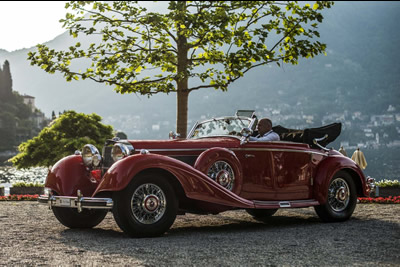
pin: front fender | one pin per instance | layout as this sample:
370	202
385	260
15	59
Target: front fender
68	175
327	169
195	184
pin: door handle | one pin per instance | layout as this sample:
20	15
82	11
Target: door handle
249	156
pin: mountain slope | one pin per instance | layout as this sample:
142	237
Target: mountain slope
359	73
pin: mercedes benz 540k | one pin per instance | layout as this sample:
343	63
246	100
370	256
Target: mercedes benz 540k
147	183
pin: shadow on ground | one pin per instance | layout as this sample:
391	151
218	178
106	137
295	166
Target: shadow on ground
235	238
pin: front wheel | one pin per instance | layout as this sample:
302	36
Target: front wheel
71	218
147	207
341	200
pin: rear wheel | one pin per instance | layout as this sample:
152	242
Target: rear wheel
341	200
147	207
261	214
73	219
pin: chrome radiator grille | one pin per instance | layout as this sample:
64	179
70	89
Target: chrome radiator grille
107	159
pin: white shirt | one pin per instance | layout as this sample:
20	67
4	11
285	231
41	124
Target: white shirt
269	136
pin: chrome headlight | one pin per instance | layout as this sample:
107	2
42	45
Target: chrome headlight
119	151
91	156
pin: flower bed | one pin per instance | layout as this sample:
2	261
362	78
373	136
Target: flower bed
387	188
380	200
19	197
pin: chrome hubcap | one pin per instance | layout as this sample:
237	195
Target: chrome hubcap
148	203
223	174
151	203
339	194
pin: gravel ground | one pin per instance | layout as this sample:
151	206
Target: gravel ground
31	235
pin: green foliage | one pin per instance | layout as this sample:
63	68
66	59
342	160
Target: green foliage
14	113
388	183
69	132
14	118
24	184
212	43
5	82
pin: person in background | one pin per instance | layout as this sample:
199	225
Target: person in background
358	157
265	132
343	151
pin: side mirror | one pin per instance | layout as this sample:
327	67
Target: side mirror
246	133
173	135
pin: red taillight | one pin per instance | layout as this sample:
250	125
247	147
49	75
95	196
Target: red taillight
96	174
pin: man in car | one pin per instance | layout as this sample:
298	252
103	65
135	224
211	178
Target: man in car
265	132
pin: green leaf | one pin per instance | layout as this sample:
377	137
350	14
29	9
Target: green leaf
228	36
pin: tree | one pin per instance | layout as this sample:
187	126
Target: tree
148	53
67	133
5	82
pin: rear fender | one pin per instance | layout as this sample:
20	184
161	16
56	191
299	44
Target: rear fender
195	184
327	169
212	155
68	175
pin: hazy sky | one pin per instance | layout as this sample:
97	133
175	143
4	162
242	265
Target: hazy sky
24	24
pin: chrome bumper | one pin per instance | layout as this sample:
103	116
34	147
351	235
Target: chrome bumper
79	202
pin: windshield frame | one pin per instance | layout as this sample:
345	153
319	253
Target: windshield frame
241	118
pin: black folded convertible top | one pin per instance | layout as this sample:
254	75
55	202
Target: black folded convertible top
307	135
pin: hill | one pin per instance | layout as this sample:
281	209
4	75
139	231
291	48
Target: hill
359	78
360	73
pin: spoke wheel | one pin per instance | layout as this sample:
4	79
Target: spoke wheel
341	199
148	203
339	195
147	207
223	174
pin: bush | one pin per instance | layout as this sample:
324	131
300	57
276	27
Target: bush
388	183
69	132
23	184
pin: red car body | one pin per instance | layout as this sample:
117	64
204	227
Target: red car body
261	176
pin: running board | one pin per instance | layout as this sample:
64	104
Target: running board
285	204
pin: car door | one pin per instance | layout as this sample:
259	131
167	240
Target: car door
275	171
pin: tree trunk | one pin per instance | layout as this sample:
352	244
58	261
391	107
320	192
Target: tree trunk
182	80
182	112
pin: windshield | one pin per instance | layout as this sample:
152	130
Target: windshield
220	127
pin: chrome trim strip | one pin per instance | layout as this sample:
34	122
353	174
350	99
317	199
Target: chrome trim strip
242	149
284	202
280	150
215	136
176	149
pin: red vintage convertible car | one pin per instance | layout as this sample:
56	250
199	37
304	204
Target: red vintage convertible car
146	184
